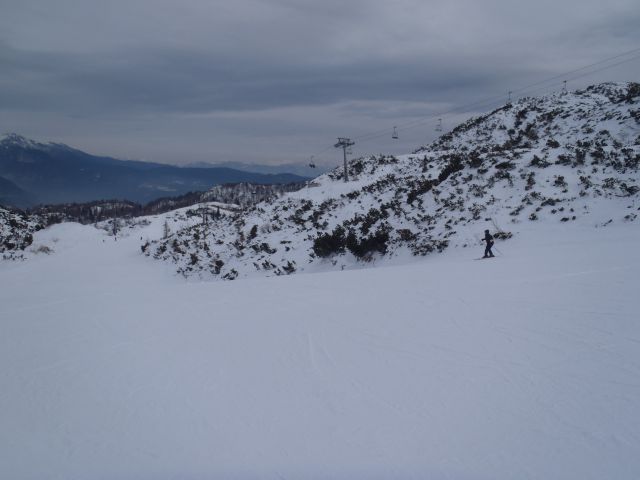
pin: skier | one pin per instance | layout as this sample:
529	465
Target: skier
489	239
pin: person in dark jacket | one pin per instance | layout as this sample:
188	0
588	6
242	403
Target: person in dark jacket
488	238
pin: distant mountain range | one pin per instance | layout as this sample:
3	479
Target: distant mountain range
11	194
32	172
304	170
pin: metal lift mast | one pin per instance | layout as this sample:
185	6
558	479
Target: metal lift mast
344	143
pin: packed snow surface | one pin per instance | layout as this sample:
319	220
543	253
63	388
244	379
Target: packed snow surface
524	366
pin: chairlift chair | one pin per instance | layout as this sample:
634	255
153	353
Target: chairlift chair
394	135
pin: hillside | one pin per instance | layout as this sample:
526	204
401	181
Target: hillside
565	158
56	173
241	195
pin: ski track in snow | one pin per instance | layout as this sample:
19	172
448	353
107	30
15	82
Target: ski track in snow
112	367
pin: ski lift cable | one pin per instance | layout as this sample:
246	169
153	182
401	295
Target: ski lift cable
575	77
422	121
527	88
318	155
416	123
562	75
555	77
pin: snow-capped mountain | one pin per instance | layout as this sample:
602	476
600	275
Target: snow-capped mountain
55	173
564	158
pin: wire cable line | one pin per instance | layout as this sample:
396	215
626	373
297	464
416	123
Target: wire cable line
543	84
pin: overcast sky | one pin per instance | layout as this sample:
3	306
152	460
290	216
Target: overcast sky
275	81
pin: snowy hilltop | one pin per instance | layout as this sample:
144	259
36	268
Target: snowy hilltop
571	157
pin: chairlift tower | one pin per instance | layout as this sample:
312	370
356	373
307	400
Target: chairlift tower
344	143
204	212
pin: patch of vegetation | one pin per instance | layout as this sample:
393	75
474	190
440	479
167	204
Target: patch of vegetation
327	244
539	162
364	247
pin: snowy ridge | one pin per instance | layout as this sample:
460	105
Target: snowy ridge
8	140
561	158
246	194
234	196
569	158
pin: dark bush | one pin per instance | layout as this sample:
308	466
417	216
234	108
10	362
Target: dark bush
328	244
539	162
502	235
455	165
374	243
406	235
506	165
217	266
373	216
560	181
289	268
419	188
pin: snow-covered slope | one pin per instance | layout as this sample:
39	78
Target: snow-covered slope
526	366
571	158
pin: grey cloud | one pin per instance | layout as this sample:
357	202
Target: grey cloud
192	81
277	76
